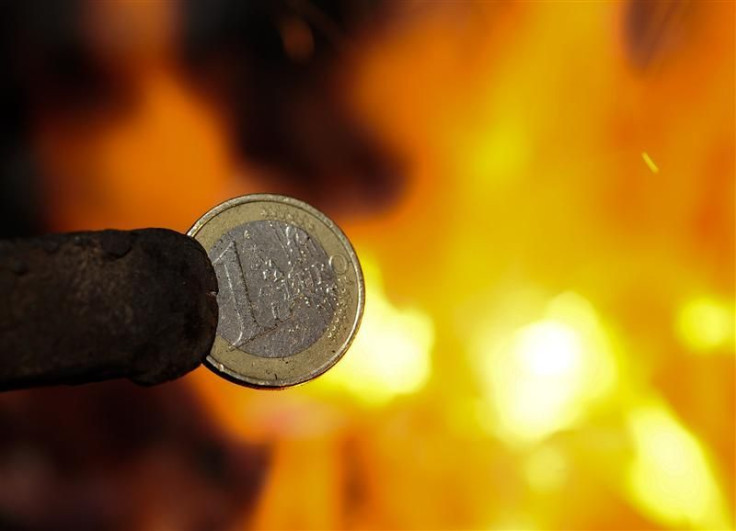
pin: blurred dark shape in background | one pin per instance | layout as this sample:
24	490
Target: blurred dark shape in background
48	67
270	65
116	456
266	64
654	30
28	32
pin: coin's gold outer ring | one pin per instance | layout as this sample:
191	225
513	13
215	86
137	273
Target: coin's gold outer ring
248	369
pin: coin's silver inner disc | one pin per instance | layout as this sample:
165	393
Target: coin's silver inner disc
277	289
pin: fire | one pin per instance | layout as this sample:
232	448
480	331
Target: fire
532	300
547	375
391	356
671	477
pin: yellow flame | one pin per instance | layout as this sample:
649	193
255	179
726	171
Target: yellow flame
510	522
670	477
549	372
705	324
546	469
391	354
499	156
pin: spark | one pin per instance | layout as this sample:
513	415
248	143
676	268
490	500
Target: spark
649	162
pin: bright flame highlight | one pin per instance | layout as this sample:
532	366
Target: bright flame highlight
670	477
705	324
391	354
550	348
548	373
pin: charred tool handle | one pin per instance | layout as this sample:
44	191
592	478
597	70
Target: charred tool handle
91	306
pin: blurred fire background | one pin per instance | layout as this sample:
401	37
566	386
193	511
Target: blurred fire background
542	195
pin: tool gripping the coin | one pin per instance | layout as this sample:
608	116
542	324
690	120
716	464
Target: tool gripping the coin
91	306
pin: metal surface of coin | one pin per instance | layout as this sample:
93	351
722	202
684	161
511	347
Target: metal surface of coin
290	290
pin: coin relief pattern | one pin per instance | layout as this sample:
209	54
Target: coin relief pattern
278	288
